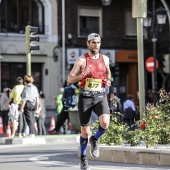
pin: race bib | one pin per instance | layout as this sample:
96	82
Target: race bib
93	84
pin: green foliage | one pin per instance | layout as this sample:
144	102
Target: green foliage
115	132
153	129
156	123
132	137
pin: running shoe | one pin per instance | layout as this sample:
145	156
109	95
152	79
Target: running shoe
84	164
94	147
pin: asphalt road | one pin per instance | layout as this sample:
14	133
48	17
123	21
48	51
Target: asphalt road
55	157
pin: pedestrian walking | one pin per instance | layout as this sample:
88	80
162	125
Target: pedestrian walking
69	100
30	103
16	117
92	69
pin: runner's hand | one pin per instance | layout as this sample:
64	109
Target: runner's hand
107	82
85	72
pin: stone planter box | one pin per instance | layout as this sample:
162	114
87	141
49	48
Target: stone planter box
74	119
132	155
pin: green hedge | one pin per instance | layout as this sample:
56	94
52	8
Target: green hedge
153	129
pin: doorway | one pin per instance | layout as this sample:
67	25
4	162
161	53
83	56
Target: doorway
126	82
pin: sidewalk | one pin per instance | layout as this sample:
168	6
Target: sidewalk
117	154
44	139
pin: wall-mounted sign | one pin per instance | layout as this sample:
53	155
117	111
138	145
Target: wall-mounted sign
110	54
72	55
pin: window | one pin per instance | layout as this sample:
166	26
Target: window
16	14
8	75
130	25
89	20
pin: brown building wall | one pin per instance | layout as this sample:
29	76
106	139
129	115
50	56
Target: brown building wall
113	23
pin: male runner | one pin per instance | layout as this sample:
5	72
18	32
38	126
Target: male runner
92	69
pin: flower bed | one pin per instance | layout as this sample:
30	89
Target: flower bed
153	129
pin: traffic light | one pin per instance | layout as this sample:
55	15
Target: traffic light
116	70
115	74
30	44
31	38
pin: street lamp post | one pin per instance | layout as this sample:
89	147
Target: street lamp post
0	72
154	22
139	8
154	39
63	41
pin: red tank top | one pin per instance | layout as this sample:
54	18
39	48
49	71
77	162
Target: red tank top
97	69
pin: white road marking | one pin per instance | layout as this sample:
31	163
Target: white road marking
42	159
39	159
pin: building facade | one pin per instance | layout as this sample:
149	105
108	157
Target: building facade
118	31
15	15
63	29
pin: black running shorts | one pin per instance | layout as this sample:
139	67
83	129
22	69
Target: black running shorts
86	104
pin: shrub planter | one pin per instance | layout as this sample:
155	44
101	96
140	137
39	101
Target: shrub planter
74	119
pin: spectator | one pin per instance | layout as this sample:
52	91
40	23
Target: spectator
149	97
58	102
69	101
15	117
115	105
22	126
59	105
30	103
4	107
129	112
40	119
138	108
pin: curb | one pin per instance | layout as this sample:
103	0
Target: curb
41	139
117	154
130	155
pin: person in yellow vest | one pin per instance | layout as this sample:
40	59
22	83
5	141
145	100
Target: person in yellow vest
14	112
58	102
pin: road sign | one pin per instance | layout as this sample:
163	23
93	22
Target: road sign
149	64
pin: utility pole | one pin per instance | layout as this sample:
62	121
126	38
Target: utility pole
139	11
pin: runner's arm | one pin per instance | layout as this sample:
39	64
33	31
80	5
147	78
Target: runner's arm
74	74
108	73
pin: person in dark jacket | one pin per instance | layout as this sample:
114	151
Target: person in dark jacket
129	112
30	103
69	101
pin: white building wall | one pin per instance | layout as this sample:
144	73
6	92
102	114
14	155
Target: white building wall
12	44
